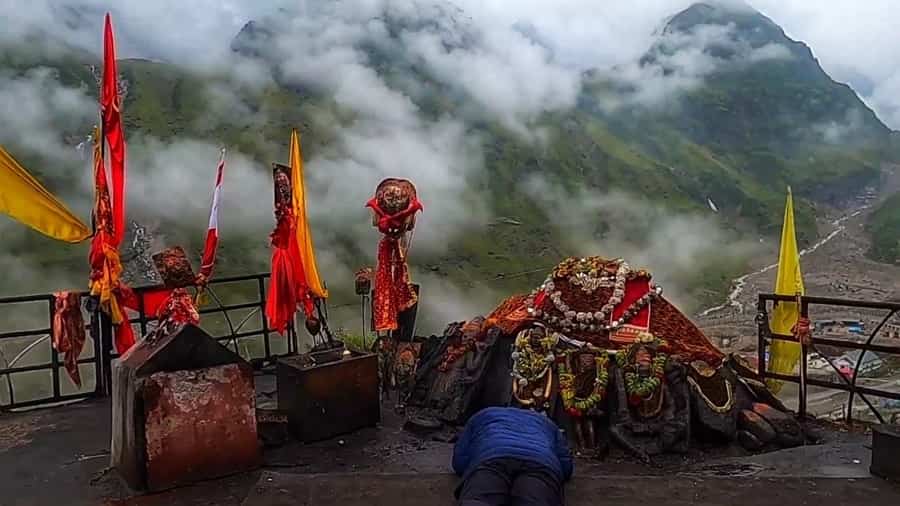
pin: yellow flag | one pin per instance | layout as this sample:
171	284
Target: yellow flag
784	355
23	198
304	236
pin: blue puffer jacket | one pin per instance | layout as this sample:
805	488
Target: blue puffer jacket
512	433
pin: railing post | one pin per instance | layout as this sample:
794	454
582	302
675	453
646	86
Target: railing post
142	314
261	283
106	344
804	313
762	323
54	355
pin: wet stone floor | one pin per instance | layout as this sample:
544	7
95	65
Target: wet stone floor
61	456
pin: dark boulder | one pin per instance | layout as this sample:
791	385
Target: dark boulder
749	441
789	431
758	426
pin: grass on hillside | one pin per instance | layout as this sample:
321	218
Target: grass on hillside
884	227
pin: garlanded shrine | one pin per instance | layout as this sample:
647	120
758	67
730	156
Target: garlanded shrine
598	348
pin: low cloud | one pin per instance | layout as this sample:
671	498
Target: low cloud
677	248
681	61
40	113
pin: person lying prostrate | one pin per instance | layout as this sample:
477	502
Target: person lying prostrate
511	456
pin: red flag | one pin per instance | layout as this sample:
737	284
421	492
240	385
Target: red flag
106	266
212	234
113	134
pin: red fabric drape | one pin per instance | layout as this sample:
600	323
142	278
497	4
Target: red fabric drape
281	301
113	133
392	291
179	308
106	266
68	331
634	290
287	286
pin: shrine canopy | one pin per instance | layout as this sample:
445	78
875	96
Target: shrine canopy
605	303
26	200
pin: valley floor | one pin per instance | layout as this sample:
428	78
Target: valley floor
838	268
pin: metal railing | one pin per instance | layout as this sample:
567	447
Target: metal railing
100	334
766	337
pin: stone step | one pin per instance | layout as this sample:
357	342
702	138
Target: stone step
372	489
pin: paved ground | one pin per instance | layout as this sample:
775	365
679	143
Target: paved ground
60	456
276	489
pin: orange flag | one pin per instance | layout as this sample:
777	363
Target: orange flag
302	231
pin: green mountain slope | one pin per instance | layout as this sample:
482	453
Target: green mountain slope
738	138
884	227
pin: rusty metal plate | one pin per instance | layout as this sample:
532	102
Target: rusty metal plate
199	424
326	400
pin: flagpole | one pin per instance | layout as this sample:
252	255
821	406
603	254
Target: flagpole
201	289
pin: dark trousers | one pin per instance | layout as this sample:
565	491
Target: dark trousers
511	482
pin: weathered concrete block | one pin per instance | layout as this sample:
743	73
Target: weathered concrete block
184	409
199	424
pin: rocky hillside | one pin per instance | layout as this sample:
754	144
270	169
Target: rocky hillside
723	111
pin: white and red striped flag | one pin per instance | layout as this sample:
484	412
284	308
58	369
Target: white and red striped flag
212	234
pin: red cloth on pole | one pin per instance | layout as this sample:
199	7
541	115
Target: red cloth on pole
113	133
106	266
68	331
281	301
287	286
392	291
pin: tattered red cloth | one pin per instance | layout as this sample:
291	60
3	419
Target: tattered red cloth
113	133
154	299
511	315
281	302
393	292
287	285
106	267
68	331
179	308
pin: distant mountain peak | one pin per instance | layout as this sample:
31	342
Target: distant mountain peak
747	23
253	38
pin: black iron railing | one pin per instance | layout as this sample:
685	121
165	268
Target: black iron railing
843	383
240	310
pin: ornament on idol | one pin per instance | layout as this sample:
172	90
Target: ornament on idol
575	406
533	357
643	366
590	274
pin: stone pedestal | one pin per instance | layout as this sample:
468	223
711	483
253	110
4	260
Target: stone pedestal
183	411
